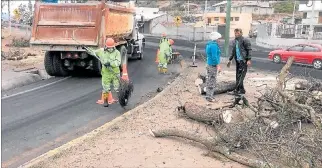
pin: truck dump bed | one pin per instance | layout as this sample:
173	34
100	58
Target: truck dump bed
80	24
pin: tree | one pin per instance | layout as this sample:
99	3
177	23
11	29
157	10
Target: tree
9	15
284	7
25	14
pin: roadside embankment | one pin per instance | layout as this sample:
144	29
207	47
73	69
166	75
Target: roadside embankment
126	142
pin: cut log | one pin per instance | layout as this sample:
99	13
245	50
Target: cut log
220	88
209	116
224	87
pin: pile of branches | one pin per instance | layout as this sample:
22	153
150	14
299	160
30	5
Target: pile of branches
284	130
19	42
15	55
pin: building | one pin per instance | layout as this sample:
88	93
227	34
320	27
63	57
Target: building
237	20
306	8
307	12
150	16
254	7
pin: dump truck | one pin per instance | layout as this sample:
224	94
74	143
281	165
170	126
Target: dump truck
62	29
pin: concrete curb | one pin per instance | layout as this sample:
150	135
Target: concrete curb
22	78
37	162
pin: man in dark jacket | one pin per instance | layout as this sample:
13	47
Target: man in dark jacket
242	54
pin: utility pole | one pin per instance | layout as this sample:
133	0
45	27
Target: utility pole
311	32
205	21
188	8
293	18
9	14
227	31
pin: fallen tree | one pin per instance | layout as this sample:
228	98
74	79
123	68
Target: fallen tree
286	130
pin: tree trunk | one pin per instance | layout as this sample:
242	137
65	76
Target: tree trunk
202	114
9	15
220	87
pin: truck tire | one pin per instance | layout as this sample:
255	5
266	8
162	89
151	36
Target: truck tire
49	66
60	70
97	67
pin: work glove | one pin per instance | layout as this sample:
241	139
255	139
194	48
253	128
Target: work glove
228	64
107	64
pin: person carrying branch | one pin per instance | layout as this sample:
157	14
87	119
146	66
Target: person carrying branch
242	54
164	53
213	60
171	42
110	59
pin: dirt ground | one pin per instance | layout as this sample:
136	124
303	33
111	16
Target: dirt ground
129	144
35	61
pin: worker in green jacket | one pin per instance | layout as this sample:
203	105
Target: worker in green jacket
164	53
111	60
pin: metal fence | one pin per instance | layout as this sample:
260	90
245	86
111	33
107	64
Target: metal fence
289	31
187	31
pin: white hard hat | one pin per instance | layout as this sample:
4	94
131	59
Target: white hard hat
215	36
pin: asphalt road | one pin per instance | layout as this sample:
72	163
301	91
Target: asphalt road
41	119
260	59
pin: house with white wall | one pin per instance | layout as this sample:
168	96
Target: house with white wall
308	16
306	8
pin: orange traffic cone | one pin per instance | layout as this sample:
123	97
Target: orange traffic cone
157	58
110	98
125	75
101	101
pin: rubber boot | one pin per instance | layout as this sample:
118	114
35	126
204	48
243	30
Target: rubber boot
110	99
164	70
105	104
101	101
159	69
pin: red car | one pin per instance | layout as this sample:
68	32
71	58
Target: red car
303	53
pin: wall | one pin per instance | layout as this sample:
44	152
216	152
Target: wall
185	31
244	22
249	9
271	41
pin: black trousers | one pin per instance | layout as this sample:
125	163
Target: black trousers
241	70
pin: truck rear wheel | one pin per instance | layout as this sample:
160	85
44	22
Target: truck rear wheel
48	61
60	70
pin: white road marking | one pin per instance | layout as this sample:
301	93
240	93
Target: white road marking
36	88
